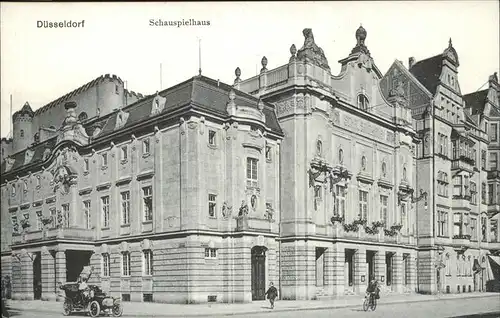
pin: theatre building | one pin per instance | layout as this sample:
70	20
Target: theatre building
348	174
457	165
172	197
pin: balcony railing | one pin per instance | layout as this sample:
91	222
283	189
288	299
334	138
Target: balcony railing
54	233
462	163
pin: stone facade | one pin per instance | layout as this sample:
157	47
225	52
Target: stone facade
207	192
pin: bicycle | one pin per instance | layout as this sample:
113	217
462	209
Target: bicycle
370	302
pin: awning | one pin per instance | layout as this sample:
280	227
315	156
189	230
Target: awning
495	266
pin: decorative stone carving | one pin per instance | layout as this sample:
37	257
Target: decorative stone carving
182	126
269	212
293	52
312	52
28	155
202	125
64	175
124	246
72	129
451	53
121	119
263	62
104	249
226	210
243	208
158	104
146	244
237	80
9	162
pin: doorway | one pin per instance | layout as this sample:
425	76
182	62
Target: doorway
388	265
258	273
320	266
370	260
75	261
37	276
349	269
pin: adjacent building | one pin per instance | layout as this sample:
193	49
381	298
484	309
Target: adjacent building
207	192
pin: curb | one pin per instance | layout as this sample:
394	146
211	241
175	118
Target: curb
273	310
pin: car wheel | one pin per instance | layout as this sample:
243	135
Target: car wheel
117	310
67	307
94	309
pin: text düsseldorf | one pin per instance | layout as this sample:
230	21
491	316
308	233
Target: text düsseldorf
60	24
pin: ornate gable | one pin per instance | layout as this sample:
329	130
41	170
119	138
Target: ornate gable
121	119
63	171
158	104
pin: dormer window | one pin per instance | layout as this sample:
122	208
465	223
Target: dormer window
362	102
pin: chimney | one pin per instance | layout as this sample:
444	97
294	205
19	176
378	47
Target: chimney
411	62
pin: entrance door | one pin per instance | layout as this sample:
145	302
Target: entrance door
370	260
75	261
320	267
388	264
37	276
349	269
258	273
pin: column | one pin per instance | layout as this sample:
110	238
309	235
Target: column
337	263
397	275
380	270
27	275
60	264
49	291
360	271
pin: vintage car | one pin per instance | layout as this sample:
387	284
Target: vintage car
80	297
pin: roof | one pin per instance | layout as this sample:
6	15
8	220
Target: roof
200	92
25	110
476	101
428	72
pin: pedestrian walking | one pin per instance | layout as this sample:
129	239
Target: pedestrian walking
272	294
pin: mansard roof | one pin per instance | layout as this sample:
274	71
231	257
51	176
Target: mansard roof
476	101
199	93
428	72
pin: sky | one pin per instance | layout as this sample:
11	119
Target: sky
38	65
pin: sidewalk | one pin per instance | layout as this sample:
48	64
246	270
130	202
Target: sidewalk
219	309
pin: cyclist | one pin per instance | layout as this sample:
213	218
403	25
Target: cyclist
373	290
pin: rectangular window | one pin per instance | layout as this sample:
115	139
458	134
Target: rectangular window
483	159
125	198
211	138
442	223
105	211
39	224
383	209
211	205
363	205
105	265
104	160
340	200
53	216
473	193
493	161
483	193
148	262
147	197
65	210
86	214
457	224
404	218
126	264
123	153
210	253
473	229
147	298
491	197
86	165
494	231
483	229
145	146
494	132
457	186
252	175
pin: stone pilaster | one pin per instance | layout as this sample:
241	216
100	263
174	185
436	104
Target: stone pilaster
397	275
380	269
412	268
60	259
17	276
329	264
360	271
337	263
426	272
27	275
49	291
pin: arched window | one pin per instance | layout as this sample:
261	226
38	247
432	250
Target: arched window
384	169
13	190
362	102
22	133
341	155
404	173
363	163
